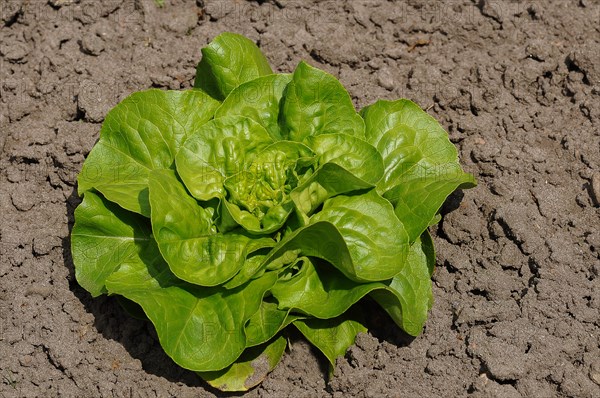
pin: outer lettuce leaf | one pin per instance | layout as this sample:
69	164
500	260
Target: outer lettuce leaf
316	103
104	235
258	100
142	133
267	322
334	336
228	61
250	369
201	329
218	150
421	164
319	290
412	294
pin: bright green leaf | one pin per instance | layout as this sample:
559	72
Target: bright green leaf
359	235
217	150
346	163
227	62
409	296
104	235
258	100
316	103
374	238
332	337
252	266
201	329
187	237
267	322
318	289
329	180
421	164
142	133
352	153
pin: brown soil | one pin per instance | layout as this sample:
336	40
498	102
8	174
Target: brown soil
516	84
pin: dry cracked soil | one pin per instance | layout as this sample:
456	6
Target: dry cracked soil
517	288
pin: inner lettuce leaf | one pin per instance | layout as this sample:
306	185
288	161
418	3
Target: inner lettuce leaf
226	213
316	103
259	195
258	100
217	150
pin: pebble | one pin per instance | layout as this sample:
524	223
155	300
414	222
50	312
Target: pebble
92	44
15	51
596	189
60	3
375	63
385	79
595	373
181	21
26	360
43	245
394	52
22	200
43	291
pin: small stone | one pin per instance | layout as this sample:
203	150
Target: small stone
181	20
43	245
538	50
510	256
60	3
92	44
95	99
26	360
491	10
394	52
595	189
23	199
595	373
14	51
374	63
385	79
13	174
503	361
218	9
36	290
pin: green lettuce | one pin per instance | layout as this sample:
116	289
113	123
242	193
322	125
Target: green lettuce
256	201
